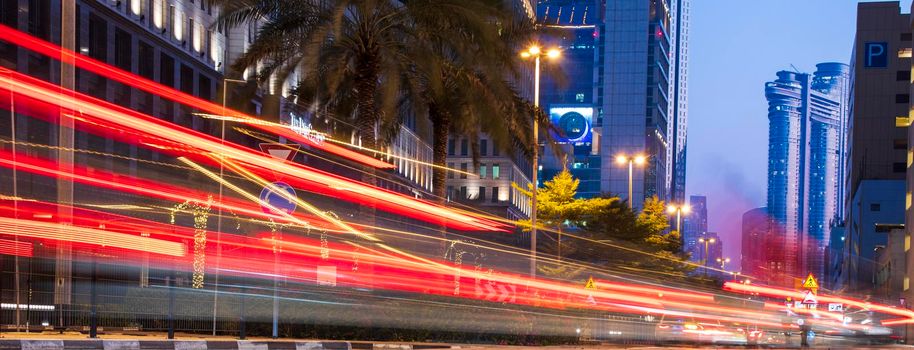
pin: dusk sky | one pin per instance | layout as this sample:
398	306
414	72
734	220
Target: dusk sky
735	47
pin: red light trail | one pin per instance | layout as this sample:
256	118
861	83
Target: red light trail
102	112
81	61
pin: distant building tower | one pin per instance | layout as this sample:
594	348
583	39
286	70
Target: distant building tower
805	140
694	225
755	247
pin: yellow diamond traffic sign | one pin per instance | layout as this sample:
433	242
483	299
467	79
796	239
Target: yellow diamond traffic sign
590	284
810	282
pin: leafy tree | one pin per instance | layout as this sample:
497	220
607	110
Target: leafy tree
558	209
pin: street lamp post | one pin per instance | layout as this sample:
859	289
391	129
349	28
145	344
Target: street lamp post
704	257
679	210
225	82
535	52
723	262
632	161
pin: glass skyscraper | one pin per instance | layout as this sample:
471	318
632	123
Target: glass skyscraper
642	83
574	24
807	130
627	59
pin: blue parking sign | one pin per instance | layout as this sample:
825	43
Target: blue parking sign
875	54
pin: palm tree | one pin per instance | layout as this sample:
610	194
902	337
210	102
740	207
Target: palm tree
354	54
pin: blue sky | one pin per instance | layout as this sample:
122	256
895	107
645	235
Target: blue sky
735	47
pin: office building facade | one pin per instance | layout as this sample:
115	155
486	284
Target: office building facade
694	224
805	136
877	139
755	248
570	101
642	78
628	60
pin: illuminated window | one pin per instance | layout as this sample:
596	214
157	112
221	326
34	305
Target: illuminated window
197	36
907	283
496	171
904	52
907	242
482	171
902	122
177	22
158	17
136	7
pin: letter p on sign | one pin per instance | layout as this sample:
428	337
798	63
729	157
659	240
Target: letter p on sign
875	55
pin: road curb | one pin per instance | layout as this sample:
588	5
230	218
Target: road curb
126	344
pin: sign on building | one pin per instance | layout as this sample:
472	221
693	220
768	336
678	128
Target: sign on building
875	54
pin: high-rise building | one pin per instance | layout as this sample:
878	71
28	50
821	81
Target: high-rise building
627	67
641	86
804	152
571	105
680	102
877	140
755	249
694	224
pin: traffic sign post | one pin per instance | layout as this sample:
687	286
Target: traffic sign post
269	198
590	284
810	283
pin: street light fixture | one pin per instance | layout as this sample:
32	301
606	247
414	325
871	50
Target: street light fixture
723	262
632	161
679	210
535	52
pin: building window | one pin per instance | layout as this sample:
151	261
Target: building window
177	22
495	151
450	147
450	191
40	18
98	38
900	144
136	7
450	174
903	75
496	171
905	37
875	207
494	194
483	147
463	147
899	167
463	168
482	194
122	50
902	122
463	192
902	98
482	171
146	66
904	52
579	97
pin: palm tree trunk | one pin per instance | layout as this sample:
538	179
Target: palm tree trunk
367	86
441	123
367	117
